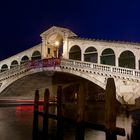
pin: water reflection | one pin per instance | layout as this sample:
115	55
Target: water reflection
24	114
135	134
13	128
16	124
124	122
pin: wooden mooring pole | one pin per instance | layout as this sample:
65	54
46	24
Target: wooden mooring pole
81	99
60	122
110	110
35	119
110	114
46	111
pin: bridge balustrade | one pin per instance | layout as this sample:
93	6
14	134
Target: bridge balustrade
101	67
14	70
30	65
122	71
67	62
118	71
83	64
94	67
137	73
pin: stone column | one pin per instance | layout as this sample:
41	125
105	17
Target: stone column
117	54
116	61
82	55
44	48
136	63
99	58
65	49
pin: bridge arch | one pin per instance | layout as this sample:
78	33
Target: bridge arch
91	55
4	67
27	76
14	63
77	72
36	55
108	57
24	59
75	53
127	59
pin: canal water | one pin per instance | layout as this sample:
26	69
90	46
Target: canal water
16	124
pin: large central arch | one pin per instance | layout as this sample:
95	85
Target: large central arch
25	79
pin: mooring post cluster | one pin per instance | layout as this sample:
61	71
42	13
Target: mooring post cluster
79	122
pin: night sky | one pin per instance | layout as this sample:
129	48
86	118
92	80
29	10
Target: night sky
22	21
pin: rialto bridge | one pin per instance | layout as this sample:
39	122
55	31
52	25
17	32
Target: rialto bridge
64	56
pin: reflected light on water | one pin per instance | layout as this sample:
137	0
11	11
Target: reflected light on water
17	123
24	113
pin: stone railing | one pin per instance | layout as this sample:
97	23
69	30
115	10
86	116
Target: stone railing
110	70
28	66
87	66
18	69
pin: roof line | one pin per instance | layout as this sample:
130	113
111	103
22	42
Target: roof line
102	40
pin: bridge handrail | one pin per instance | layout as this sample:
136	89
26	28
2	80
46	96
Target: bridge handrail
102	68
30	65
118	71
18	68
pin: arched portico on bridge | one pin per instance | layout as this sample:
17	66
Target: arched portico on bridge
36	55
75	53
24	59
4	68
108	57
91	55
14	63
54	41
127	59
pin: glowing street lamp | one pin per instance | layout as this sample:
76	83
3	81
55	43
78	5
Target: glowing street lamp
57	43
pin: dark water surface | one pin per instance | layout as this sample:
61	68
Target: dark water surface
16	124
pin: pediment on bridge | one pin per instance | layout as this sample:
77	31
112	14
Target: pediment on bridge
54	31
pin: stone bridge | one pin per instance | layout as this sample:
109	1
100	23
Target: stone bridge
63	52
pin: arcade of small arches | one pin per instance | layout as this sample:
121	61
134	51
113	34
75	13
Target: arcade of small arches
35	56
107	57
